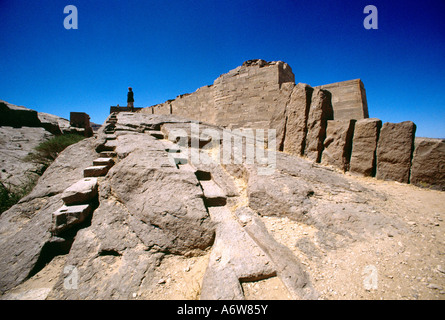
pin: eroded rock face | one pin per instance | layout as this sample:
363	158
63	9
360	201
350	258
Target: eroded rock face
25	228
394	151
295	119
428	165
319	113
338	143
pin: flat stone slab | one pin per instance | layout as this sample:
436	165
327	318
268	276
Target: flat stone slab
110	137
81	192
213	194
103	162
68	216
95	171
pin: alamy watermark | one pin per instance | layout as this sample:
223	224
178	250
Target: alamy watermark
237	146
71	20
370	280
371	20
71	280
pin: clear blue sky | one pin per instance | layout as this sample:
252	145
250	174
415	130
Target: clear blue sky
163	48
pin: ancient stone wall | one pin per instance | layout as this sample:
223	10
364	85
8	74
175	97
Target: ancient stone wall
348	99
260	94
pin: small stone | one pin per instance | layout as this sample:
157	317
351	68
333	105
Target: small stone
161	281
434	286
440	269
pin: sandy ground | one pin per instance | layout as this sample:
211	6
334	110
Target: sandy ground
398	266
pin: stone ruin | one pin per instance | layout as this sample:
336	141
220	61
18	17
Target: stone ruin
328	124
81	120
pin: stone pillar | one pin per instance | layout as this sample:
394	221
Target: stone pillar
319	113
394	151
364	145
296	115
338	143
428	166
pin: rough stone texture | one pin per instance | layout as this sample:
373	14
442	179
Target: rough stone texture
428	164
394	151
161	210
291	123
246	96
348	99
319	113
255	95
364	145
338	143
83	191
15	145
25	227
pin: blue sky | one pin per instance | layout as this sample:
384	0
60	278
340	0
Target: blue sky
165	48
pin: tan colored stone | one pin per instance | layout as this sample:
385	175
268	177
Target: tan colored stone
428	165
394	151
364	145
296	114
83	191
319	113
338	143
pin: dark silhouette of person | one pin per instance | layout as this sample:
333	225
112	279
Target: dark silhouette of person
130	99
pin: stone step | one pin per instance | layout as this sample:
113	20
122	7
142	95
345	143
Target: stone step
95	171
109	131
110	137
107	147
107	154
214	196
68	216
103	162
81	192
156	134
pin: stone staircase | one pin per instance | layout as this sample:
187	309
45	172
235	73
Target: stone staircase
81	198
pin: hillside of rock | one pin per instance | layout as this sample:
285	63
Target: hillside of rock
165	217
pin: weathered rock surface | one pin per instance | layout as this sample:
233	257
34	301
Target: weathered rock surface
338	143
428	164
319	113
25	227
150	208
364	145
15	145
292	131
394	151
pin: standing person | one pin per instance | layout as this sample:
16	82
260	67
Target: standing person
130	99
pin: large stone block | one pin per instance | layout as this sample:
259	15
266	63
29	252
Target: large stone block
83	191
68	216
295	119
394	151
319	113
348	99
364	145
428	165
338	143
